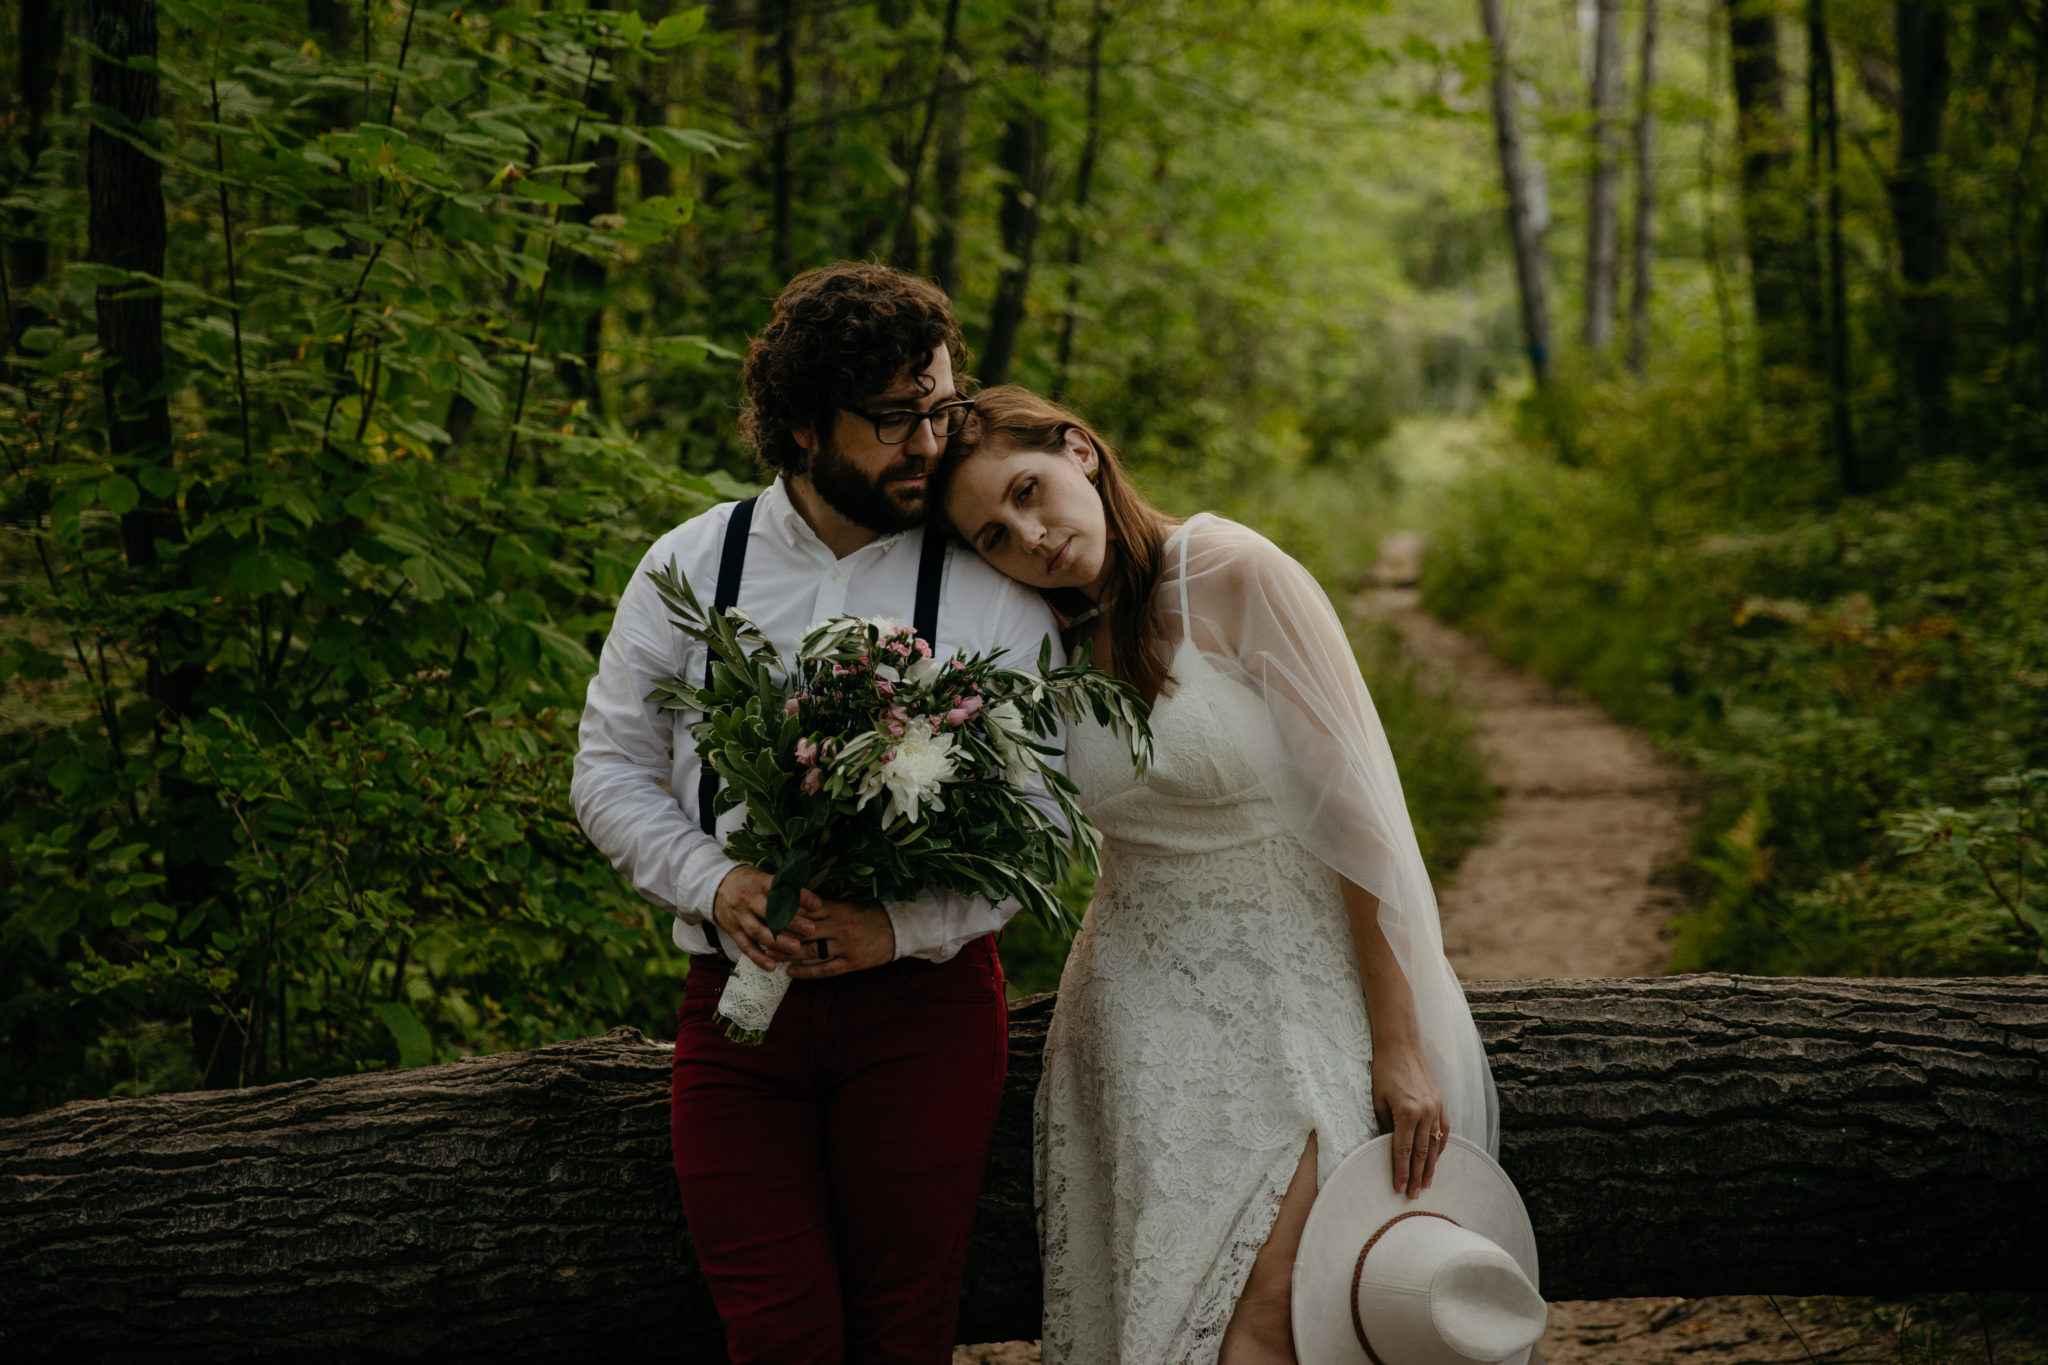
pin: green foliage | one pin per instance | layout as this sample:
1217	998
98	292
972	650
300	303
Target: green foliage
297	777
1832	666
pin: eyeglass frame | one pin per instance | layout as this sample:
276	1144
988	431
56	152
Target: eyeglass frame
919	417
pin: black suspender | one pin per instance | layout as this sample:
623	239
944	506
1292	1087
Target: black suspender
931	573
732	563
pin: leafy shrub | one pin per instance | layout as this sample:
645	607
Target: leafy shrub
1829	664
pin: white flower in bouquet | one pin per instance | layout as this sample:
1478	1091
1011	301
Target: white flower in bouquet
1012	740
912	771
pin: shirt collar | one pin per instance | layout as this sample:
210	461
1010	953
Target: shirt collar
777	505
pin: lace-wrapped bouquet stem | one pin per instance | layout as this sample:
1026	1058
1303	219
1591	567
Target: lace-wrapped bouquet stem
871	770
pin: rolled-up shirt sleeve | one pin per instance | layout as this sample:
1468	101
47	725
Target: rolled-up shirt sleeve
629	753
938	924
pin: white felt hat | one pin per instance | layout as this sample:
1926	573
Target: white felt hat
1445	1279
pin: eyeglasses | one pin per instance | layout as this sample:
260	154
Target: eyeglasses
898	425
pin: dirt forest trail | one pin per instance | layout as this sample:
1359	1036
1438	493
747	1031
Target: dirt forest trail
1573	881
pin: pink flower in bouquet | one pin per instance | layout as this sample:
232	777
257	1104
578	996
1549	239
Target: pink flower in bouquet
885	687
958	715
807	752
789	707
968	705
814	781
922	648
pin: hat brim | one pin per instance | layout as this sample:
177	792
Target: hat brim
1468	1188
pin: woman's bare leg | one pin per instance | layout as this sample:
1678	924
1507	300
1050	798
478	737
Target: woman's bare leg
1261	1330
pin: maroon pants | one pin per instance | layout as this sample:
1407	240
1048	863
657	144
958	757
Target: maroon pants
829	1176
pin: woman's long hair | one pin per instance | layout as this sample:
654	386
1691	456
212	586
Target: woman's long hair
1008	419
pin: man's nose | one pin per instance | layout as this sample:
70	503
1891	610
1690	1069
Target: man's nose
924	442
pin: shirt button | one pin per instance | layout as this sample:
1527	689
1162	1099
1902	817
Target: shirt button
835	575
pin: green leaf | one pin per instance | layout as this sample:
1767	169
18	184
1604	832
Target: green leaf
481	392
415	1045
325	239
544	192
785	891
677	29
119	494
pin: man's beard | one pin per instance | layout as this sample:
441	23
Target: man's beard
862	500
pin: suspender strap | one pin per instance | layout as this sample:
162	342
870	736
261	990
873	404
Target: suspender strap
931	572
732	560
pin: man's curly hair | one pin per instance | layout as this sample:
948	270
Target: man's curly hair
839	335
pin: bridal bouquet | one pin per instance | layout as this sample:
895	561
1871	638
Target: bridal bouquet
872	770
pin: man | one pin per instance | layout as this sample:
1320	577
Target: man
830	1175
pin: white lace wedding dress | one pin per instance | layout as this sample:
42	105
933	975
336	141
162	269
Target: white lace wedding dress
1211	1015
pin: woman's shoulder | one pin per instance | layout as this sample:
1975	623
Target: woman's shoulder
1228	553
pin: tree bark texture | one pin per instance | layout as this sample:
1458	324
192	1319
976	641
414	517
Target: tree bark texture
1826	142
39	38
1684	1135
1084	184
1603	187
1516	176
1917	212
1770	202
903	248
1021	156
1644	246
126	230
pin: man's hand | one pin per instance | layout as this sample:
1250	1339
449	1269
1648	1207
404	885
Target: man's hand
855	937
742	902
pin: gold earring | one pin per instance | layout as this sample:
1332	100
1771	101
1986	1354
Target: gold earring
1094	473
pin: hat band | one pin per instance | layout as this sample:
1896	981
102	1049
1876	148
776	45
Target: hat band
1358	1272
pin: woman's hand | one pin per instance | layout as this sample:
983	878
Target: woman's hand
1408	1104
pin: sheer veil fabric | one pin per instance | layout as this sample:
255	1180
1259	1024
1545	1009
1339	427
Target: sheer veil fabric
1261	620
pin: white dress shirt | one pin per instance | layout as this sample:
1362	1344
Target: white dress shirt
635	788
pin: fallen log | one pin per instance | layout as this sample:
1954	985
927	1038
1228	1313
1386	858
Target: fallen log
1687	1135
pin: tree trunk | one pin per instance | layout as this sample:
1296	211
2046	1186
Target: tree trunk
1770	203
587	277
1021	156
1645	244
1825	117
903	247
1516	175
39	37
1685	1135
1084	183
126	231
1603	189
1917	211
778	26
329	20
948	172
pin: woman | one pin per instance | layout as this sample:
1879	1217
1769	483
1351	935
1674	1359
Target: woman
1260	986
